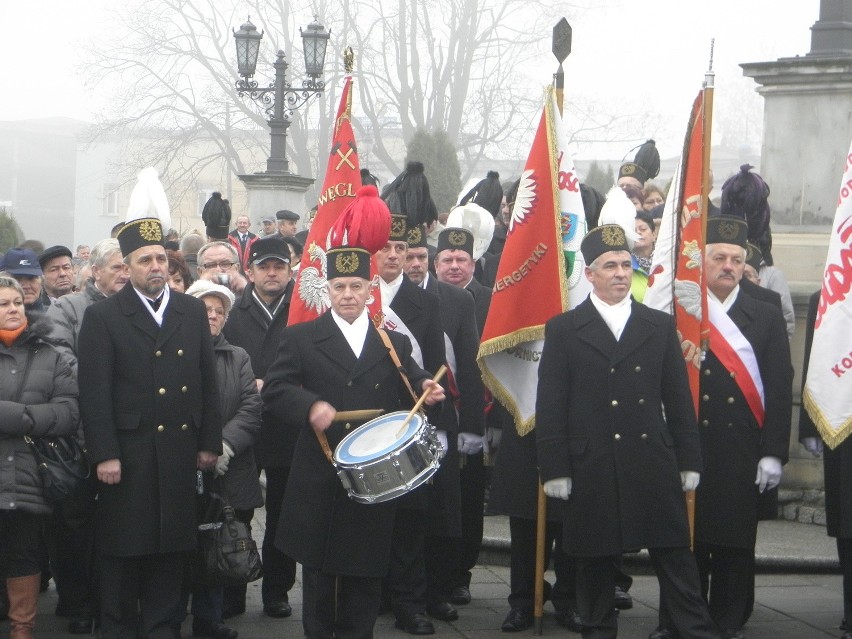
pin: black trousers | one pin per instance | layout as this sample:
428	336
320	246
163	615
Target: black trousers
279	570
680	591
522	566
472	477
339	606
150	584
406	581
727	583
72	562
844	554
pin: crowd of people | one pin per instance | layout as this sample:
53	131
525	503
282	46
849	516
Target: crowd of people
171	355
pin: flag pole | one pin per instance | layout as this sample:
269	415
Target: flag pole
561	50
706	185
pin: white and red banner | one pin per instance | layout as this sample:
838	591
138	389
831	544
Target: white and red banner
827	395
541	270
676	282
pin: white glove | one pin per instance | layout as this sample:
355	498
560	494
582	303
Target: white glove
442	437
768	473
813	445
224	460
689	480
470	444
559	488
492	439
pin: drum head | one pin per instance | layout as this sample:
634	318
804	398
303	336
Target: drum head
377	438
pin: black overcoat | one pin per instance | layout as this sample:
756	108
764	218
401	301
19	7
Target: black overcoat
320	526
599	420
248	327
726	505
148	397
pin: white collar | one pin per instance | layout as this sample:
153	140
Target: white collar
425	281
158	314
614	315
356	332
390	289
729	301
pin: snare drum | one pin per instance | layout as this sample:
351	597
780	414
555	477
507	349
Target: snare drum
376	463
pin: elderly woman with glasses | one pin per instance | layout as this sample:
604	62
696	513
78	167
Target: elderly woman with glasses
38	398
236	470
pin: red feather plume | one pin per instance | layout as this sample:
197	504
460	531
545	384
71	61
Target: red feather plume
365	222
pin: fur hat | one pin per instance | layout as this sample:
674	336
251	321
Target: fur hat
488	193
409	195
645	165
746	196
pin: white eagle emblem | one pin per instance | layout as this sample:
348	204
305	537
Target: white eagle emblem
312	282
688	296
525	200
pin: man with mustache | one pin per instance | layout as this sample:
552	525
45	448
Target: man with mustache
150	408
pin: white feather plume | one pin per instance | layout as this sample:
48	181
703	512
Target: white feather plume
478	221
618	209
148	199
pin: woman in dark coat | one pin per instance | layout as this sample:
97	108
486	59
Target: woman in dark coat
38	398
236	469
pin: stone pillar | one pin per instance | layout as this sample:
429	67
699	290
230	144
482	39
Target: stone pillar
808	120
269	192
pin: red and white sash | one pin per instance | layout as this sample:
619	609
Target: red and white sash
731	347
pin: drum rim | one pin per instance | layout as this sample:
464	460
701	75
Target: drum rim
360	430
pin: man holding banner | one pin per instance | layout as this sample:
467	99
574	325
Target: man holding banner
608	370
744	421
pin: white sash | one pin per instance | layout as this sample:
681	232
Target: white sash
393	323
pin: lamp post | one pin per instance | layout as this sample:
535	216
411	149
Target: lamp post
280	99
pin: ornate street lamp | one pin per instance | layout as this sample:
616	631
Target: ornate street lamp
280	99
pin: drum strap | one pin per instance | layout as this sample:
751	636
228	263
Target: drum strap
384	335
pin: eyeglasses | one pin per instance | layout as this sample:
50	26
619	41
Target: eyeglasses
222	264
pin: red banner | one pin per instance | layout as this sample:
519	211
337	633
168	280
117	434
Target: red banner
342	179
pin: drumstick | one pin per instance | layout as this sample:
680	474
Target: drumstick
357	415
420	402
342	416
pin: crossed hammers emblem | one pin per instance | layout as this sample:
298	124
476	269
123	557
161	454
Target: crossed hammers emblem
344	157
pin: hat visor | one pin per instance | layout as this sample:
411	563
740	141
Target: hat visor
263	258
30	271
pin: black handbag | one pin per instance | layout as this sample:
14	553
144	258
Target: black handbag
62	463
226	551
62	466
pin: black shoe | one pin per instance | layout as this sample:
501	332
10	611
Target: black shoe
460	596
418	624
570	619
517	620
212	630
623	600
82	626
277	609
443	611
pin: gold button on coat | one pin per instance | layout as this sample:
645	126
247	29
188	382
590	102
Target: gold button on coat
615	402
159	353
638	369
617	437
730	400
184	427
705	423
180	352
162	391
348	426
705	397
183	389
642	402
644	436
161	428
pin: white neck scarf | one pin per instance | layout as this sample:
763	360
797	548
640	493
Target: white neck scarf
390	289
356	332
158	314
615	315
729	301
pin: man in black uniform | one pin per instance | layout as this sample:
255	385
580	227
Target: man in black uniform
608	370
149	401
744	421
415	313
337	362
256	323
